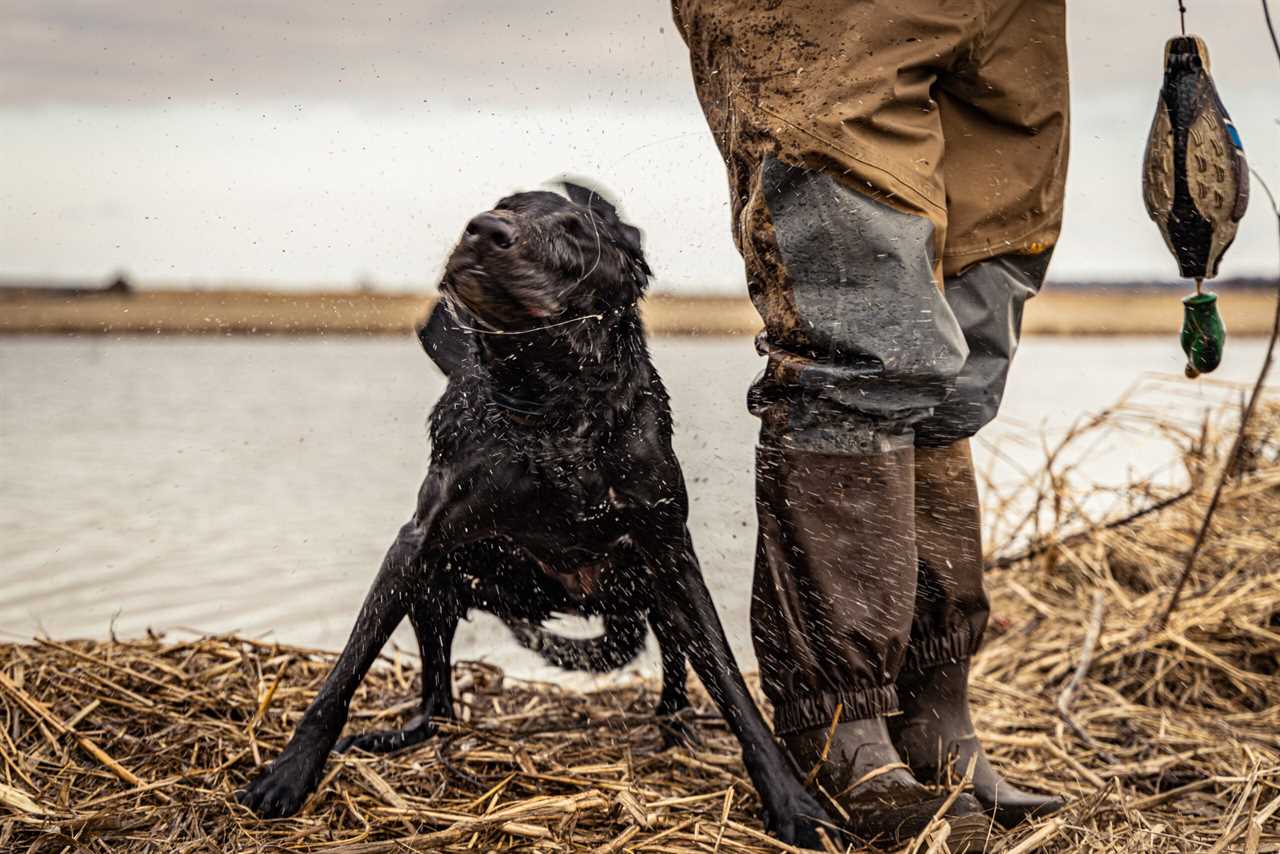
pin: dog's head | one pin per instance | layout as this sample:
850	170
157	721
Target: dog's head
541	258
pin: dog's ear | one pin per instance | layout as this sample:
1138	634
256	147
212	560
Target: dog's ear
626	237
577	193
600	206
580	192
629	238
444	339
632	242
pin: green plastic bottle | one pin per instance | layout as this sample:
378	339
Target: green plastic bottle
1203	333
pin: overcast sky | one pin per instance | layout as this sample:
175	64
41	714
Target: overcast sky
297	142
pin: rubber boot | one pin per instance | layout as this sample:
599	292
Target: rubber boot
935	734
831	616
935	737
885	804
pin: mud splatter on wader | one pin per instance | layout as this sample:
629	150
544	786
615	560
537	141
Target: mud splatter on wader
896	174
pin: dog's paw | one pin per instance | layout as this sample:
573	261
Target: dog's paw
282	788
797	819
386	741
677	732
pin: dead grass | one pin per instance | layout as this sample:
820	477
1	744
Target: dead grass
237	312
1167	740
1060	311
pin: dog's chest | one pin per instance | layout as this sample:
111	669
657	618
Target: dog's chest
582	480
586	535
592	517
598	494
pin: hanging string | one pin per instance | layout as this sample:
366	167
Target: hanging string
1182	15
1266	14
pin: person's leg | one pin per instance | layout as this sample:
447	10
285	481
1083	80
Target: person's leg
825	118
1004	115
935	733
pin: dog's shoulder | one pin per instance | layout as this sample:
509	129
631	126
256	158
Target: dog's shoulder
446	339
463	417
640	457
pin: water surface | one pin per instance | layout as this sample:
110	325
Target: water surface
254	484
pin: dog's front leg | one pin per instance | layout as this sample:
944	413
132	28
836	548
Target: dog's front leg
434	614
285	784
686	609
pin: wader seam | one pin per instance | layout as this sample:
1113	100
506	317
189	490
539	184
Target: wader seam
951	252
910	185
934	650
818	710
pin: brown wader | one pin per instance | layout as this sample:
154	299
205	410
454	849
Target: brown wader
896	173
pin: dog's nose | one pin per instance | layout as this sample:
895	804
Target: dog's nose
487	228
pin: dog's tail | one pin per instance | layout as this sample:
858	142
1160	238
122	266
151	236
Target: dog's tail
622	641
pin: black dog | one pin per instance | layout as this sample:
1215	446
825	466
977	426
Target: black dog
552	488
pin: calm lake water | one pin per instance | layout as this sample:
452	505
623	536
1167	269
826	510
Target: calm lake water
253	485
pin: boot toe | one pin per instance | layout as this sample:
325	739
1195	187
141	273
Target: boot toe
970	834
898	821
965	805
971	828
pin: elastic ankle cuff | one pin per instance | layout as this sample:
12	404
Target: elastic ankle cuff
797	714
936	650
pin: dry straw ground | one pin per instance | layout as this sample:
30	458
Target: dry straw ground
1166	739
1057	311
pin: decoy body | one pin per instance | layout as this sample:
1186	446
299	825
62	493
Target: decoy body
1195	183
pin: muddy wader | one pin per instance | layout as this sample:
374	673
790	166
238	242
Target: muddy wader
896	174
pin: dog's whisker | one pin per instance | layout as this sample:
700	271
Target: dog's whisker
530	330
452	305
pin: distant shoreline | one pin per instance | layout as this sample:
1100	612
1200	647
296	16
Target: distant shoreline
1060	310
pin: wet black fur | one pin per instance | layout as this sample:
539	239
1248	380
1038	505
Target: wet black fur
552	489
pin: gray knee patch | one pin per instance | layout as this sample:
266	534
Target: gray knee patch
871	335
861	275
987	300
